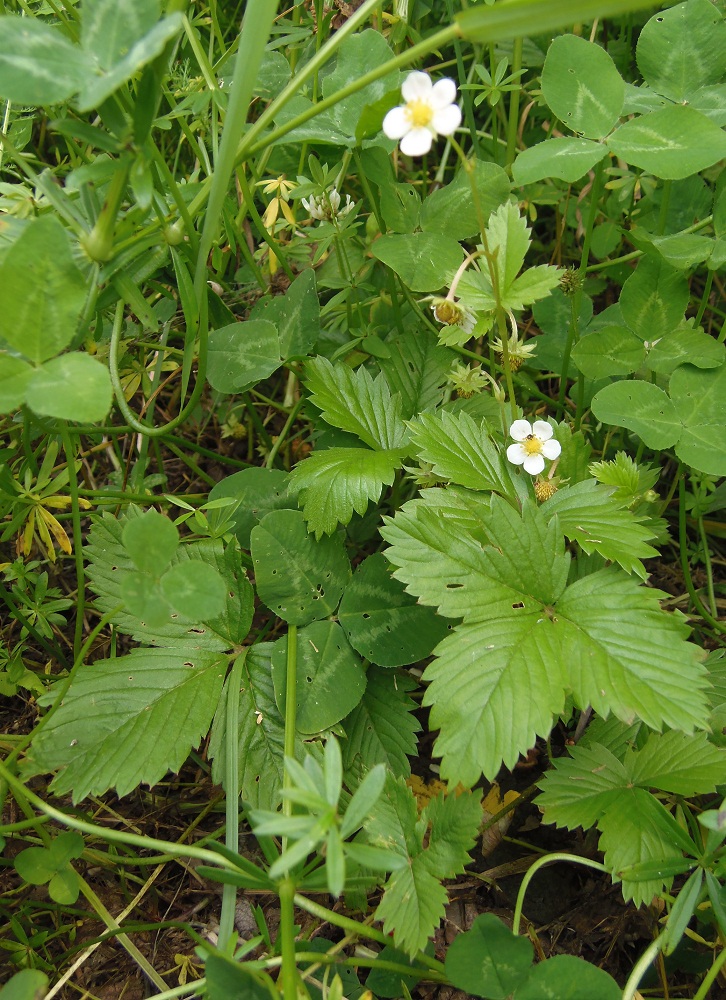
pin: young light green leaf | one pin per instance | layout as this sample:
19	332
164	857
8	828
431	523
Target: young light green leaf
581	84
110	566
150	540
461	450
566	158
42	293
73	386
355	402
337	482
299	579
149	709
38	65
364	799
383	622
423	261
508	239
579	789
589	515
194	590
382	727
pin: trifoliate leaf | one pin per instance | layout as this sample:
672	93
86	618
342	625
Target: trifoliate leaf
414	900
337	482
381	728
461	450
357	403
629	479
589	515
603	638
592	787
580	788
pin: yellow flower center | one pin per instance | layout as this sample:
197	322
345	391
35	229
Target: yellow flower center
419	113
532	444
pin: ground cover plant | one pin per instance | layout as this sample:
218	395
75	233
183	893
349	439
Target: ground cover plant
363	391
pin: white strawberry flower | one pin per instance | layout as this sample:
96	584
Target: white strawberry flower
534	444
430	110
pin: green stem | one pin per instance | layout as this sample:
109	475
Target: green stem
270	461
77	538
573	332
707	564
541	863
710	977
513	118
288	972
113	836
231	785
641	967
360	930
683	542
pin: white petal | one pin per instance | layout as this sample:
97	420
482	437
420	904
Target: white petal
542	429
443	93
417	87
517	455
447	120
533	464
520	429
416	142
396	123
551	449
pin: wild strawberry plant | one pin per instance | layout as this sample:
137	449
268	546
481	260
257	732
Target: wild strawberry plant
442	415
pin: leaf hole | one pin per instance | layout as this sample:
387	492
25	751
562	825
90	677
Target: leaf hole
366	615
518	604
309	680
